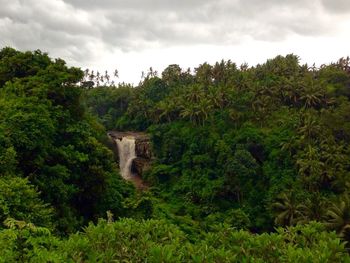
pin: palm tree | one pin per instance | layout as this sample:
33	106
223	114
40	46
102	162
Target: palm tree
290	91
262	106
287	211
310	167
312	94
313	208
338	217
190	111
194	94
196	112
289	145
341	182
204	74
167	109
309	127
335	159
195	105
219	96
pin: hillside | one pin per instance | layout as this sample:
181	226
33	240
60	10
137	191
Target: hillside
249	163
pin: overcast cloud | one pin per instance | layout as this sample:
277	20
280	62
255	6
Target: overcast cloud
132	35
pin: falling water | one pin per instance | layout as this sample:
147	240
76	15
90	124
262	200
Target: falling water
126	150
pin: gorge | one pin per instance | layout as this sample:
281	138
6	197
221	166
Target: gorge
133	154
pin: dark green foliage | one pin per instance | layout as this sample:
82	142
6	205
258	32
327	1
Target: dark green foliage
108	103
15	64
230	138
238	152
47	137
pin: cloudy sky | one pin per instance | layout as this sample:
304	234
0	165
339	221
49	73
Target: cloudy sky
132	35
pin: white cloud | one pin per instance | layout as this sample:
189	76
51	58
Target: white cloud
134	35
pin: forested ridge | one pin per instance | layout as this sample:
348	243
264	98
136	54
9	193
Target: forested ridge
252	164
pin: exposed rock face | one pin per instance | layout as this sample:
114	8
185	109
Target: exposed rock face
142	149
139	165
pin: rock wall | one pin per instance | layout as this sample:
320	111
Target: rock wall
142	148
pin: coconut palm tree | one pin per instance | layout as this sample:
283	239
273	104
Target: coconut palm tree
335	159
189	110
312	95
194	94
313	208
338	217
310	167
309	127
196	112
290	91
167	109
219	96
287	210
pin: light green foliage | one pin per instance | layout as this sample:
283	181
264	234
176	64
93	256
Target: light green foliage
20	200
25	242
157	241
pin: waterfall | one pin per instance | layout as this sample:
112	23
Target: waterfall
126	150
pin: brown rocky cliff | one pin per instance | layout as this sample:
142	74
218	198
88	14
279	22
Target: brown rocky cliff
143	150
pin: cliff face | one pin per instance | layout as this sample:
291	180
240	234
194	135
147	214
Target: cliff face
142	149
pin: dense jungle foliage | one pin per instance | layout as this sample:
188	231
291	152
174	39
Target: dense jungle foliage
252	164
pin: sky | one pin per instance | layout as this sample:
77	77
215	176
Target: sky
132	36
